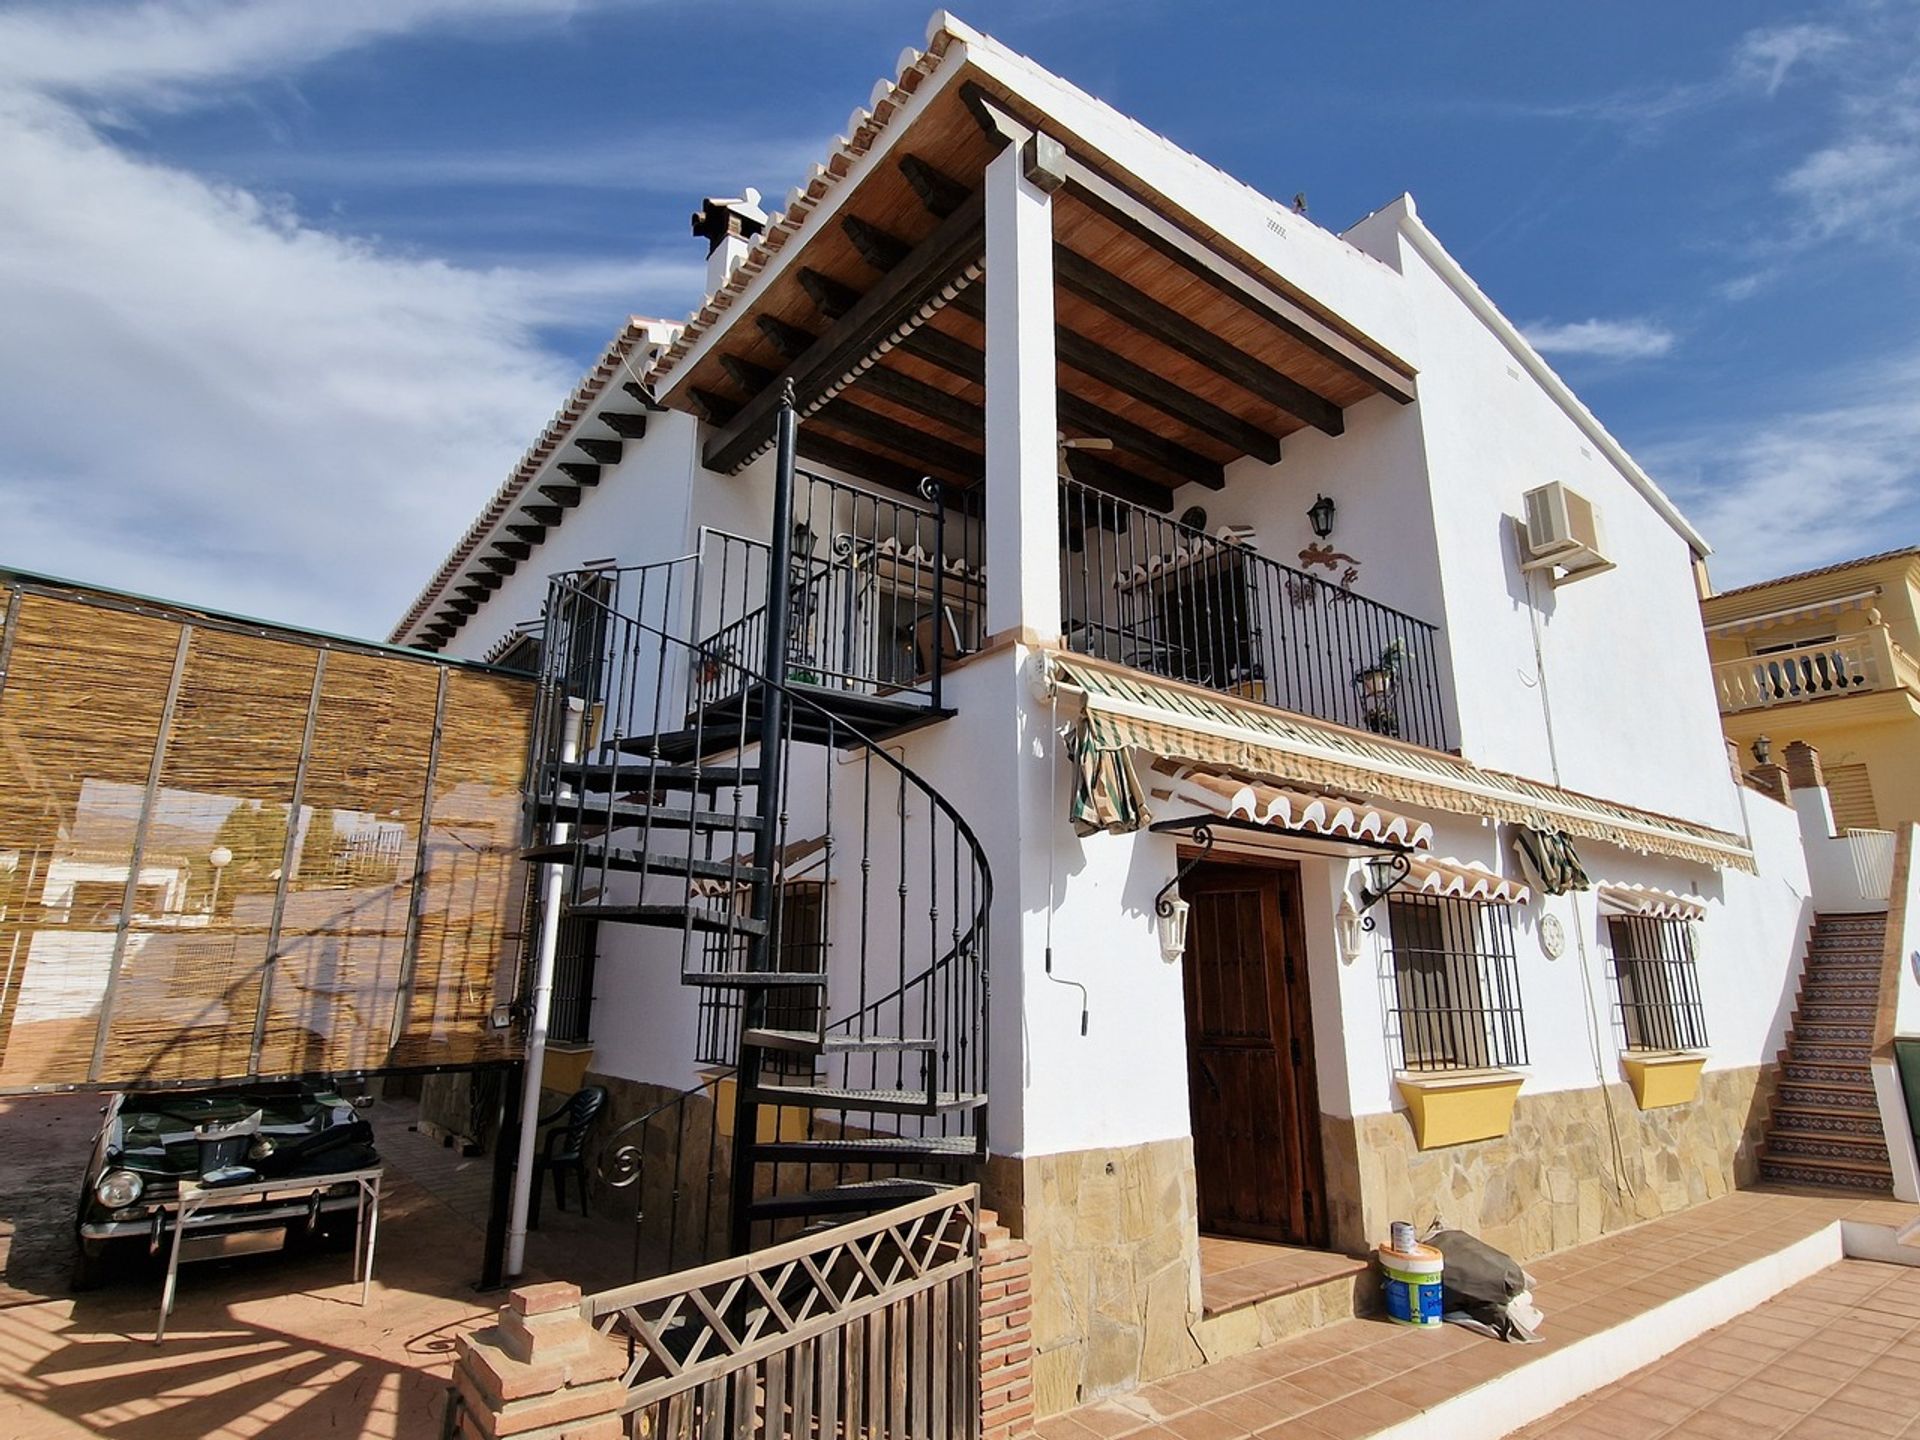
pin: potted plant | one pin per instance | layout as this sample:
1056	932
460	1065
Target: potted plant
1377	684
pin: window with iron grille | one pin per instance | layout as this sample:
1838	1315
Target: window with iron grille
1656	985
802	927
570	1017
1453	986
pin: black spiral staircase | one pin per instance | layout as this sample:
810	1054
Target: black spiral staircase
710	764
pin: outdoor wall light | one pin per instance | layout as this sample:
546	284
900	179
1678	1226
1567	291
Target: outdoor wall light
1384	874
1351	931
1172	911
1762	749
1320	516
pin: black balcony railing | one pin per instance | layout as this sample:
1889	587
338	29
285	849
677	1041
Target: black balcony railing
1174	601
882	592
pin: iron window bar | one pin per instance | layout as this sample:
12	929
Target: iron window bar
1452	984
1656	984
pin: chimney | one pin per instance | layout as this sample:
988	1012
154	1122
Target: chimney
729	227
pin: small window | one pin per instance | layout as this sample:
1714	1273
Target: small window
1656	985
1454	985
570	1017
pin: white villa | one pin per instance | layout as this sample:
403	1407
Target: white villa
1247	758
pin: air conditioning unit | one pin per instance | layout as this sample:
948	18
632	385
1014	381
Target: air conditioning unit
1561	533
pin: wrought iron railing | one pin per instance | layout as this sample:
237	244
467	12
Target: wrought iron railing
883	591
1452	985
906	886
1151	593
1656	986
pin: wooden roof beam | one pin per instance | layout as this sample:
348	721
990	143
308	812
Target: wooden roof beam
878	248
485	579
532	534
939	192
605	452
547	515
1082	277
565	496
878	469
1078	353
578	473
480	594
513	549
829	296
624	423
957	242
882	430
501	565
790	340
748	376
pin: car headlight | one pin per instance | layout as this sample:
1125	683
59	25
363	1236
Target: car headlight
118	1188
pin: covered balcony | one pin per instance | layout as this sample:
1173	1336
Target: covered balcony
1069	357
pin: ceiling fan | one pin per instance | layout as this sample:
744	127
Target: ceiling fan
1065	445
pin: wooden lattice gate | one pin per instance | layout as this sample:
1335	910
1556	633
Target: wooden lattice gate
867	1329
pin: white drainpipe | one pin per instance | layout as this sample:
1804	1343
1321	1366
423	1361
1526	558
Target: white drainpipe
552	889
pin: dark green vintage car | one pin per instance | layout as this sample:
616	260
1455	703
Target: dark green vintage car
150	1141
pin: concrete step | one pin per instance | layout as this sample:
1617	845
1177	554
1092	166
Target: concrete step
1826	1174
1829	1145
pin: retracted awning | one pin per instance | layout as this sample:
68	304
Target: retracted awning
1285	809
1127	710
1652	903
1461	880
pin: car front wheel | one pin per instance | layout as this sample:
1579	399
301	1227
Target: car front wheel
90	1268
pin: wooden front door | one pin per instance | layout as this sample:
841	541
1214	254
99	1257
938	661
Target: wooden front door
1250	1076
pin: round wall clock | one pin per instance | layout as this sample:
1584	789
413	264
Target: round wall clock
1553	936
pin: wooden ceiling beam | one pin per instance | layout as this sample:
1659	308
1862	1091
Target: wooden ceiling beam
748	376
500	564
880	249
513	549
960	358
877	469
957	242
638	392
565	496
578	473
1120	373
1119	481
1134	308
484	579
547	515
460	607
790	340
625	423
480	594
604	452
884	430
939	192
715	408
929	400
532	534
829	296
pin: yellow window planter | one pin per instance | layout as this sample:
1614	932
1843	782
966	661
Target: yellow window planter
1660	1078
1451	1109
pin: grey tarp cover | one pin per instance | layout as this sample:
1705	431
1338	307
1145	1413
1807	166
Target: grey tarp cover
1481	1282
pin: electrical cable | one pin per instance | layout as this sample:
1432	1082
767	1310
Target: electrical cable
1053	810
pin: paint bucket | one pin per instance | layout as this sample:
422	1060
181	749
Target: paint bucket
1412	1282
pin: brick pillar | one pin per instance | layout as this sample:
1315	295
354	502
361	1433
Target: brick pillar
1803	767
541	1372
1006	1332
1771	780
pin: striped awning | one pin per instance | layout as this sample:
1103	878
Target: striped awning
1650	902
1461	880
1126	709
1282	808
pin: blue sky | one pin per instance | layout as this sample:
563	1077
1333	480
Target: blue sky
285	288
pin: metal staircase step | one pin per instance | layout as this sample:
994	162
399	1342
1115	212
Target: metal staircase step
891	1102
634	815
642	775
873	1149
650	862
807	1042
734	722
746	979
693	917
842	1199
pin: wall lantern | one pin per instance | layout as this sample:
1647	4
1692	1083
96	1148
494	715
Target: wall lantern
1762	749
1320	516
1351	931
1384	874
1173	928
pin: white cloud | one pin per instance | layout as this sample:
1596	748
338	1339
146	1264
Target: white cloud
1835	480
1601	339
204	394
1767	56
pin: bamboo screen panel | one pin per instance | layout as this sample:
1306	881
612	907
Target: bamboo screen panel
231	852
473	896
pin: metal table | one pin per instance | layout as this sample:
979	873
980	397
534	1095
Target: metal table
195	1199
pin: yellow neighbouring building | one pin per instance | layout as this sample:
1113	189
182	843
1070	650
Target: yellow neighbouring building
1828	656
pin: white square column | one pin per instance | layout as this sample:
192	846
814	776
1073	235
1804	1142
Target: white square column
1023	506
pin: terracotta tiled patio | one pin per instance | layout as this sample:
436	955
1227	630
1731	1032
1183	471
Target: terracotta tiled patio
1234	1273
1360	1377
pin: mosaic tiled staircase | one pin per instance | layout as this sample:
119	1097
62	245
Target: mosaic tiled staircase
1825	1127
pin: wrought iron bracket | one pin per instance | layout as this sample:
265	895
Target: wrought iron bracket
1369	897
1202	837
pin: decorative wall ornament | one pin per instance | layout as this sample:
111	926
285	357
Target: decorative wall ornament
1553	937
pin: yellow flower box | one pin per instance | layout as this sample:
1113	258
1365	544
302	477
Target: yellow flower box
1453	1108
564	1067
1661	1078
